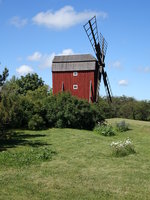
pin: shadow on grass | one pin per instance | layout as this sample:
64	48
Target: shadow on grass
19	138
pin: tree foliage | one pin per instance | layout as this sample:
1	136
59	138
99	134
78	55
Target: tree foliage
125	107
29	82
4	76
4	114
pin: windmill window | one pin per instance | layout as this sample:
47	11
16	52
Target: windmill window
75	73
75	87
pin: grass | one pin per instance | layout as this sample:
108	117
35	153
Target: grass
75	164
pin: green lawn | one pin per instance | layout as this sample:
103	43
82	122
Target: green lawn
75	164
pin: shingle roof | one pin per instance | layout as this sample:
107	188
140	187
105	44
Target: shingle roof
82	62
74	58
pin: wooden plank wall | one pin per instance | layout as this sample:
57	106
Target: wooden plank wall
82	80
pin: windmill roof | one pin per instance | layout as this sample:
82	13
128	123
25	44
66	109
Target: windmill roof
74	58
81	62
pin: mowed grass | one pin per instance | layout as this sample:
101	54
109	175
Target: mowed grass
75	164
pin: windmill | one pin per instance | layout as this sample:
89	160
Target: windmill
99	46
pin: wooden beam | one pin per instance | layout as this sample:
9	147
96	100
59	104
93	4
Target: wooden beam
62	89
90	91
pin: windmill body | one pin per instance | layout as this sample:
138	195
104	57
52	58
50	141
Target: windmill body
76	74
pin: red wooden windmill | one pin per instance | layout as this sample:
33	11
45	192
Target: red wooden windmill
81	74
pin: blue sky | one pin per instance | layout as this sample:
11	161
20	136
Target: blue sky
33	31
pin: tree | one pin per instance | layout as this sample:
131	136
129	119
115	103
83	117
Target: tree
3	77
143	111
3	114
29	82
10	87
10	113
104	108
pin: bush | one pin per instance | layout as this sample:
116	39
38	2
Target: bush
37	110
122	126
3	128
59	123
66	111
122	148
36	123
105	130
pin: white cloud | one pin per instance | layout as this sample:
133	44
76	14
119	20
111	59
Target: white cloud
19	59
24	69
147	69
45	60
144	69
67	52
64	18
115	64
36	56
123	82
18	22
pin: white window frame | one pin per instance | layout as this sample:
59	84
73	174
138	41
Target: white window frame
75	86
75	73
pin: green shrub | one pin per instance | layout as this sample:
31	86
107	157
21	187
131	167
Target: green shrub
122	126
122	148
37	109
2	131
105	130
66	111
36	123
59	123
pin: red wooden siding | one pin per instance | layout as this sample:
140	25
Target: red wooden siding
82	80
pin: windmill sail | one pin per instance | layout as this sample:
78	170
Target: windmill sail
107	86
99	47
92	33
